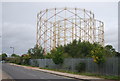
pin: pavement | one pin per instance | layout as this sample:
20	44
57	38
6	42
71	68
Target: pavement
78	77
27	72
20	73
5	75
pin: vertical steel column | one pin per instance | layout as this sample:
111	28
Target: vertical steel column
80	30
54	31
99	32
46	32
72	30
39	28
75	24
37	38
65	27
44	37
51	36
58	34
90	29
103	34
84	34
94	29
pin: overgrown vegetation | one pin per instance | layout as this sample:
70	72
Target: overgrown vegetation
3	56
36	52
75	49
78	49
33	53
57	55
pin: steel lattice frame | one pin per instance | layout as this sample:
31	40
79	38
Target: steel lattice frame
59	26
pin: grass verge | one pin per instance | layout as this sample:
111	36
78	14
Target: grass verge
88	74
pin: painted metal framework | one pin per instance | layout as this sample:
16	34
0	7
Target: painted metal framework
59	26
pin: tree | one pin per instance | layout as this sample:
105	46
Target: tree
98	54
48	56
117	54
15	55
36	52
110	51
0	57
4	56
71	49
85	48
25	59
57	55
78	49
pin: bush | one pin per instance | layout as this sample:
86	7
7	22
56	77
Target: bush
16	60
25	59
3	56
98	54
80	67
57	55
36	52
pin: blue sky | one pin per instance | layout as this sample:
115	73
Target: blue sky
19	22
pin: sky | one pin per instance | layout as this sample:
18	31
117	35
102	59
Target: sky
19	22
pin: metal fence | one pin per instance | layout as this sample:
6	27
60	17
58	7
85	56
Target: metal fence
110	67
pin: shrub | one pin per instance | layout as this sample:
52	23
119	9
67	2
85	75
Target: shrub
4	56
16	60
98	54
57	56
80	67
25	59
36	52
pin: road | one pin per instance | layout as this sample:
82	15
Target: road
22	73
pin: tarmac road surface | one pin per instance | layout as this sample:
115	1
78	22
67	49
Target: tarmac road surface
20	73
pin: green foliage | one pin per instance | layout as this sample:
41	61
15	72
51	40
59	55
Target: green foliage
98	54
84	49
33	53
117	54
0	57
57	55
15	55
4	56
25	59
16	60
36	52
110	51
71	48
48	56
80	67
78	49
